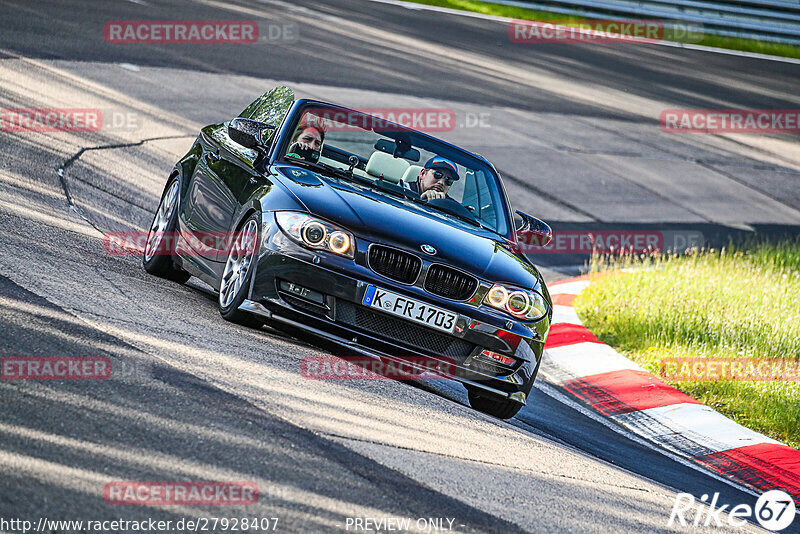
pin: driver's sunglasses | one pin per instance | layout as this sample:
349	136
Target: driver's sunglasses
439	175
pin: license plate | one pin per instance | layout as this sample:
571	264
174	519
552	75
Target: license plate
410	309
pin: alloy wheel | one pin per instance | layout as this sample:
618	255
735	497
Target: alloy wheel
161	221
238	265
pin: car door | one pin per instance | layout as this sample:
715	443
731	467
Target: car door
223	175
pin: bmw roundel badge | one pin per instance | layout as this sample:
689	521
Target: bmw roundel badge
427	249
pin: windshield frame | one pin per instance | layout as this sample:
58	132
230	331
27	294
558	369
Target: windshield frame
277	156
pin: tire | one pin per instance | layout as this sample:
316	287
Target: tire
238	271
157	259
494	406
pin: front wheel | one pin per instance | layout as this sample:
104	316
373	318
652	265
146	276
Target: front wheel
494	406
235	282
158	253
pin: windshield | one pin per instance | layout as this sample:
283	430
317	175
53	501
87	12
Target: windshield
396	159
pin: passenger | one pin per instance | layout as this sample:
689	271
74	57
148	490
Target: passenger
435	178
307	139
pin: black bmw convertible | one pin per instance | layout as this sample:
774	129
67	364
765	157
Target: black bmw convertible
362	232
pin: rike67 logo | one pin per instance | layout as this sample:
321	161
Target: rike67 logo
775	510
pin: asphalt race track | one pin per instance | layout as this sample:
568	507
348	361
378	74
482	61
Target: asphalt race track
574	130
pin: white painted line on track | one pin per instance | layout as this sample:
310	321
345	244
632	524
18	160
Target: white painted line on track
565	314
496	18
685	429
551	391
568	288
587	359
696	422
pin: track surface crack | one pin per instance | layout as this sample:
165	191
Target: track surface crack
66	164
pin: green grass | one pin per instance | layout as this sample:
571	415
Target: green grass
719	41
728	304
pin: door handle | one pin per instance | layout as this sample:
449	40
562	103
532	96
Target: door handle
213	157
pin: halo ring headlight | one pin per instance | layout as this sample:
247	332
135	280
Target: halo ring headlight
523	304
314	233
317	234
498	296
339	242
518	303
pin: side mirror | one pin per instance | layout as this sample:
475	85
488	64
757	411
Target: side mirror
249	133
531	231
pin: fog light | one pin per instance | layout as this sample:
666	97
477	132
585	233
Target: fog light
505	360
302	292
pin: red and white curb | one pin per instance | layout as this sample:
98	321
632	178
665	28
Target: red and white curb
622	391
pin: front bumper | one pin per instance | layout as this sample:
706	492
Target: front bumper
340	317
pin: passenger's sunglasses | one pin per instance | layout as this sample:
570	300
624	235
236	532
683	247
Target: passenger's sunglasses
439	175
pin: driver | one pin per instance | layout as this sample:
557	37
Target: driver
435	178
307	140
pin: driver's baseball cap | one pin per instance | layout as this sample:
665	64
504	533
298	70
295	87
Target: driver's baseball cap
438	162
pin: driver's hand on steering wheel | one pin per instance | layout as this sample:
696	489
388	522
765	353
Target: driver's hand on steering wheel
431	194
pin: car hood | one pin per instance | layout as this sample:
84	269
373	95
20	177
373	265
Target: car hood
381	218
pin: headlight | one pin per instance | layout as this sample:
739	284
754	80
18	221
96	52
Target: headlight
316	233
520	303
